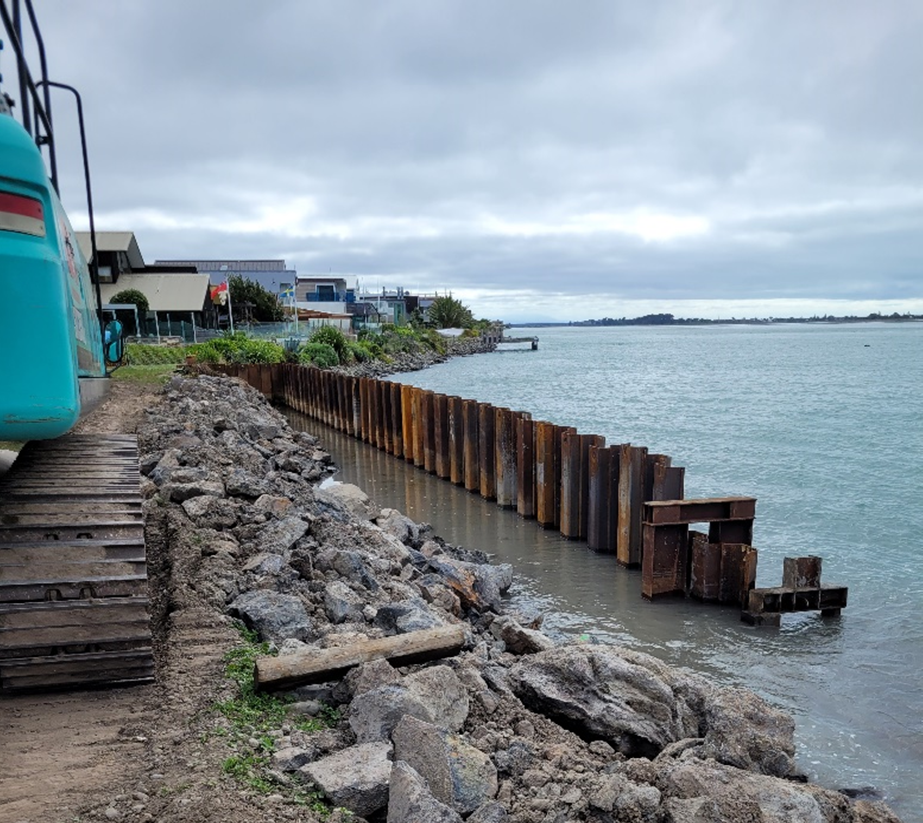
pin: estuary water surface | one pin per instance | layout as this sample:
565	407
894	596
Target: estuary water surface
823	424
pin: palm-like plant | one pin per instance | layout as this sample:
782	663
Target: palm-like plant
449	313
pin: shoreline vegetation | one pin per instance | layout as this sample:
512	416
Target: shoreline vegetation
669	320
371	352
374	354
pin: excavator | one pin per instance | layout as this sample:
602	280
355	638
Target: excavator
74	608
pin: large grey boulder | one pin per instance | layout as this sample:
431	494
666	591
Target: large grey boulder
365	677
641	706
696	789
491	812
341	603
178	492
434	695
398	525
625	697
479	585
626	800
356	778
350	565
260	425
410	615
278	536
276	617
743	730
349	499
241	483
458	774
410	800
209	512
519	640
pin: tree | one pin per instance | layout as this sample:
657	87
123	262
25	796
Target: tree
449	313
135	298
266	306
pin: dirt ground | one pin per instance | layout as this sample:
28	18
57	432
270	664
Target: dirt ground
60	749
128	753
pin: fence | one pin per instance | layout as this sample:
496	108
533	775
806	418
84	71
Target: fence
619	498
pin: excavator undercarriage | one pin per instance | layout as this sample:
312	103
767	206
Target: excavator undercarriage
73	576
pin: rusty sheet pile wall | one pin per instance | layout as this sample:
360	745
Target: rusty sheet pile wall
619	498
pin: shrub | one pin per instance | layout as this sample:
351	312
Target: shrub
333	337
237	348
359	352
434	340
321	355
132	296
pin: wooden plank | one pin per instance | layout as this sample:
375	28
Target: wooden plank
323	665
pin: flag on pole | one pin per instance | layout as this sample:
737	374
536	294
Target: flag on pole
219	294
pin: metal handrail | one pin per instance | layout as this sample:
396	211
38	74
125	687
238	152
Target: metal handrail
42	105
27	85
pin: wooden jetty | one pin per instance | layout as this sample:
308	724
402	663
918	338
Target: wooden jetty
619	498
531	341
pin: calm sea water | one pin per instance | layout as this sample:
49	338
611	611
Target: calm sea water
824	425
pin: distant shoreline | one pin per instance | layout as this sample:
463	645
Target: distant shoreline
669	320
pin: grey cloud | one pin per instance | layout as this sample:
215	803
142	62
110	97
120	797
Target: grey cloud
444	117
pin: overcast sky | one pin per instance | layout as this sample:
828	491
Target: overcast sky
541	160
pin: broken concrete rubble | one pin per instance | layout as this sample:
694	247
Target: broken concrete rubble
515	727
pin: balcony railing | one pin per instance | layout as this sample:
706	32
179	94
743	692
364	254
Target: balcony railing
329	297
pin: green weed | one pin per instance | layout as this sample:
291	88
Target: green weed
254	715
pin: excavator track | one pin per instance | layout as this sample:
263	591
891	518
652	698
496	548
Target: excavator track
73	576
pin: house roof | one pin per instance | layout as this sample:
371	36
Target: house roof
112	241
331	278
164	292
230	266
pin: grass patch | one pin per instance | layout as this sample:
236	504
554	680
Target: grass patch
11	445
250	718
150	354
155	375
